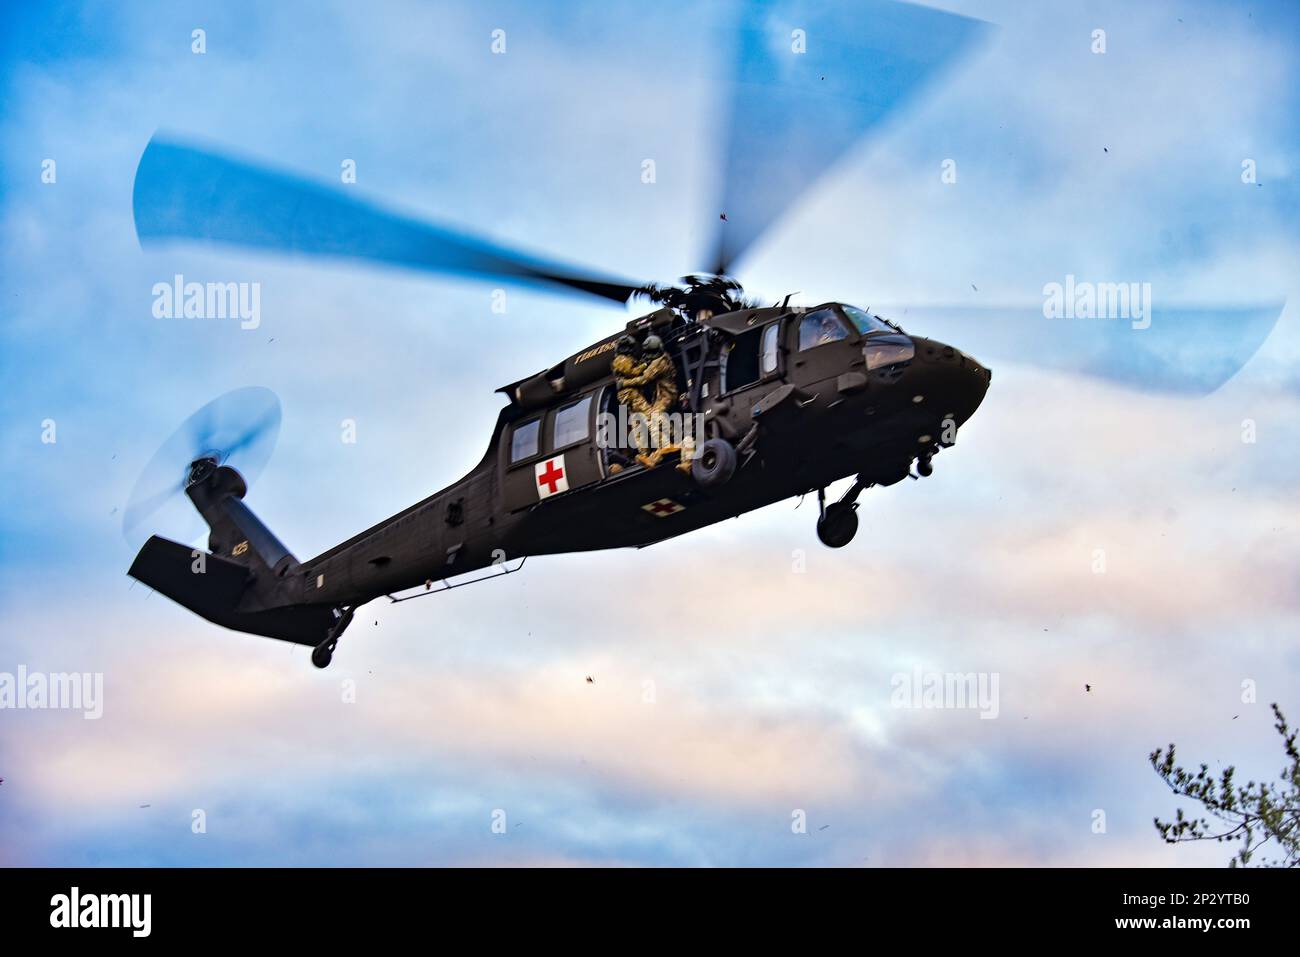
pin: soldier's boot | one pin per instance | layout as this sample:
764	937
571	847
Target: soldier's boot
648	458
662	435
688	453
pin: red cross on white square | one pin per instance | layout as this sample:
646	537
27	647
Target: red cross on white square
551	476
663	507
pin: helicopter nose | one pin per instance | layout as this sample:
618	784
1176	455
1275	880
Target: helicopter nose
951	381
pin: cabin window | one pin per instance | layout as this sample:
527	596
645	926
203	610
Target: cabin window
769	347
571	423
742	361
820	327
523	444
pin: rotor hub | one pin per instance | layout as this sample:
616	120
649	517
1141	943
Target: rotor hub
700	296
202	467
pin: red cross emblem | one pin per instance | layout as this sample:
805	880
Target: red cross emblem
551	477
662	508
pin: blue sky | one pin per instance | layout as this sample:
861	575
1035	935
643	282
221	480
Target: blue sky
771	686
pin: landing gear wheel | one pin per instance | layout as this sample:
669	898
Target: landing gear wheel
714	463
924	467
322	654
838	524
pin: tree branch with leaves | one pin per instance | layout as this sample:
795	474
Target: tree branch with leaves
1255	815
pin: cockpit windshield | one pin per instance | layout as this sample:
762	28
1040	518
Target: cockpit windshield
866	322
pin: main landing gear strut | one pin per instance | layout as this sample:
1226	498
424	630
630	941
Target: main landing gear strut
837	523
323	653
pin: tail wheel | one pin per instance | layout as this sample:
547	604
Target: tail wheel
714	463
838	525
322	654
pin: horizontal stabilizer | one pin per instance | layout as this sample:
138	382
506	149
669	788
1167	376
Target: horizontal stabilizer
215	588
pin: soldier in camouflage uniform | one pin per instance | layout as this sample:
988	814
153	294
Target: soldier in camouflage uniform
660	373
627	365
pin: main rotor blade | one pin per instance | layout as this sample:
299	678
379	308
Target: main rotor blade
183	192
1189	350
792	114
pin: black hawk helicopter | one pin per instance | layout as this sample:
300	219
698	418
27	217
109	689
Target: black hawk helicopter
785	399
789	400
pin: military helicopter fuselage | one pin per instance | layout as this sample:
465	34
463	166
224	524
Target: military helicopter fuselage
776	402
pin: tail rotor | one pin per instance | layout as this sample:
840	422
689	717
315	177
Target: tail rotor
238	429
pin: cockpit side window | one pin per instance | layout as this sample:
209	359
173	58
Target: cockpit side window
523	443
770	339
742	362
820	327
